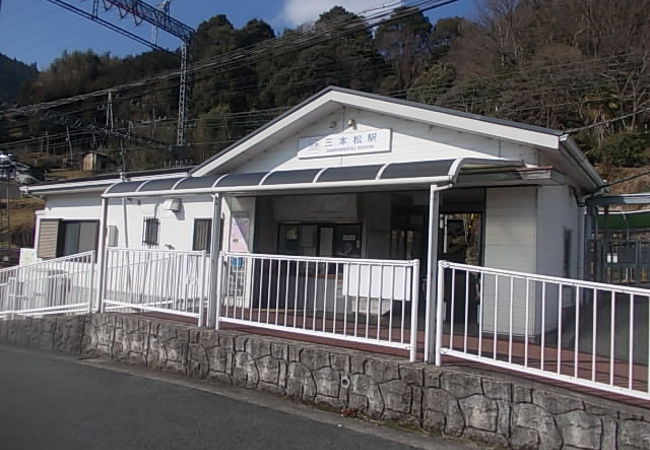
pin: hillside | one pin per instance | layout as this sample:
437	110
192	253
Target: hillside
13	75
586	70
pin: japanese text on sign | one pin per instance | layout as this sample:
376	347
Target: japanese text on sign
350	143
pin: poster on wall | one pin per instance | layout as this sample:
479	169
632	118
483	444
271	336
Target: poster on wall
239	232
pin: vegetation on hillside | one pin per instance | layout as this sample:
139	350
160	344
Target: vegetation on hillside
13	75
578	65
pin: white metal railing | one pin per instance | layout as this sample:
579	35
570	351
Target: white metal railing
163	281
56	286
359	300
581	332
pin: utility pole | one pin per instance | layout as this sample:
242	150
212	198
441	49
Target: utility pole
67	133
143	12
109	112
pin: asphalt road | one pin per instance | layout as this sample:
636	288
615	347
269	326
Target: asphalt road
52	403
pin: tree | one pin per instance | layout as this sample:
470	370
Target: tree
404	43
349	61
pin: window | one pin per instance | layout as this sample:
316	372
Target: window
202	234
76	236
47	238
150	231
320	239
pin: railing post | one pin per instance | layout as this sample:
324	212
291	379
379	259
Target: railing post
439	320
92	281
202	286
15	293
415	288
218	293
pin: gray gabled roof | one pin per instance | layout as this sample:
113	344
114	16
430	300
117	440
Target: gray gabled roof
424	106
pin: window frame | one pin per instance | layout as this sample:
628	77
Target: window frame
208	235
150	231
62	244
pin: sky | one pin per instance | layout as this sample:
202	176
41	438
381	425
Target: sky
37	31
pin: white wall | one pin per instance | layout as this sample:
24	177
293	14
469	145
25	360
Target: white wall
176	228
511	244
557	210
511	228
524	232
81	206
411	141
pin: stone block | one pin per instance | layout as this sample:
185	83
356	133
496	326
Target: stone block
397	395
217	359
480	412
294	353
358	363
226	342
609	433
365	386
497	390
432	377
258	347
340	362
443	402
244	371
416	403
300	382
556	403
579	429
524	439
412	374
382	370
434	421
209	339
534	417
460	385
240	343
522	394
634	434
280	351
198	365
503	418
268	369
328	382
315	358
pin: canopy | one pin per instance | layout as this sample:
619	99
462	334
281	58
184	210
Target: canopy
414	173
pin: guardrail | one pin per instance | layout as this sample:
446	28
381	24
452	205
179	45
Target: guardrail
57	286
161	281
359	300
581	332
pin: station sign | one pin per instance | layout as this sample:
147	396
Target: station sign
348	143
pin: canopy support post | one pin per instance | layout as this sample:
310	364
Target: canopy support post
430	349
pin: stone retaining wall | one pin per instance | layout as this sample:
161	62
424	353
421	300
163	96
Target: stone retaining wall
480	406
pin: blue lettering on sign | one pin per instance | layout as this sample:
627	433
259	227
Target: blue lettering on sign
358	139
372	137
